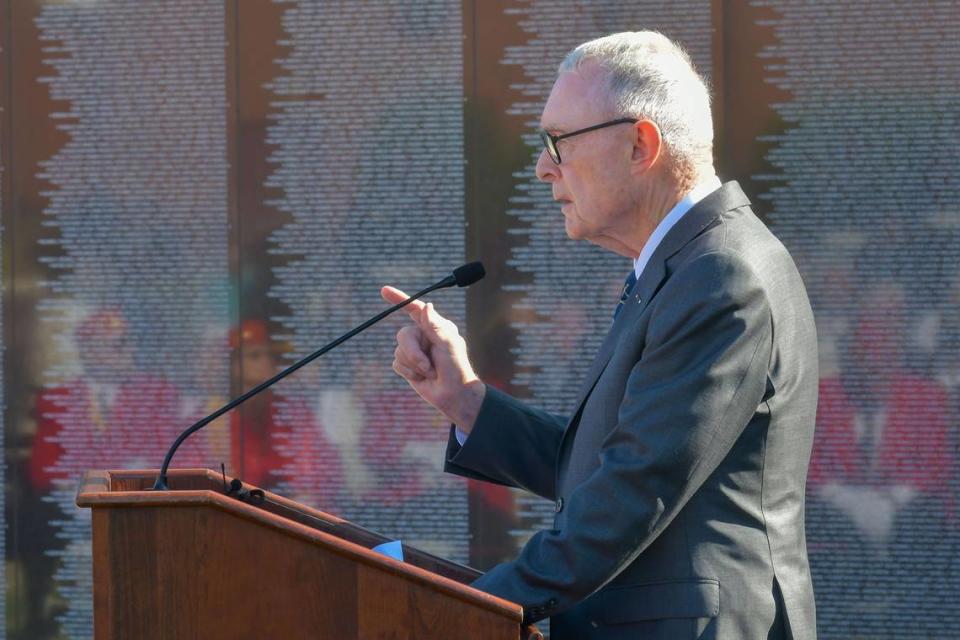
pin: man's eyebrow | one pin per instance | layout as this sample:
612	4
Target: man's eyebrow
555	130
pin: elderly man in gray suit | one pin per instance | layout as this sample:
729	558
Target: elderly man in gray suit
679	474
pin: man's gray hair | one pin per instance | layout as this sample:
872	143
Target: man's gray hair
651	77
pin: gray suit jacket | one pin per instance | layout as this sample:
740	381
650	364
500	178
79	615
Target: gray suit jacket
679	480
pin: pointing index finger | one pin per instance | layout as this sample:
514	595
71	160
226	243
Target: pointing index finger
396	296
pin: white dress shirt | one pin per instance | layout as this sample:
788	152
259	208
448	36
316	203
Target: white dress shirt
698	193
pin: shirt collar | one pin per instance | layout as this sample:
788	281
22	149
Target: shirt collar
698	193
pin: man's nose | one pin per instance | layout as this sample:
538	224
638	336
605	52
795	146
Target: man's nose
547	169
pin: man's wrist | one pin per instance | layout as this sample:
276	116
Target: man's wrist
467	408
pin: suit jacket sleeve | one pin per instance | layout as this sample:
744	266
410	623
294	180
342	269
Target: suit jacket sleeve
511	444
701	376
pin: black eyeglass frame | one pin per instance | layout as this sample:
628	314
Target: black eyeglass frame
550	141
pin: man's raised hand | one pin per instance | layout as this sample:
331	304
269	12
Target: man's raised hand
432	356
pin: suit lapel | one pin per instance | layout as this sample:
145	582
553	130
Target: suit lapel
701	216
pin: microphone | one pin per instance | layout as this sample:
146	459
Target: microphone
469	273
462	276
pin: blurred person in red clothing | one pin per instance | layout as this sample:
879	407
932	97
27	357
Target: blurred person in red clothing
252	455
397	442
275	440
882	439
394	442
112	415
882	472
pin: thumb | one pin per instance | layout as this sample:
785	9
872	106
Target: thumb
433	325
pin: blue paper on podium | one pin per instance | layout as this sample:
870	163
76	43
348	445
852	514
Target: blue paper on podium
392	549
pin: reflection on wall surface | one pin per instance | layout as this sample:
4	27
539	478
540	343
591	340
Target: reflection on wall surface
3	448
367	158
866	196
197	193
134	248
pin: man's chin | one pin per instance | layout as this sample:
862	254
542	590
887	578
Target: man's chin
573	231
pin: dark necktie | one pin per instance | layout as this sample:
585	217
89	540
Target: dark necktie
627	287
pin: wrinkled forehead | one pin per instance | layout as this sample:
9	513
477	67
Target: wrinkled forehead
578	99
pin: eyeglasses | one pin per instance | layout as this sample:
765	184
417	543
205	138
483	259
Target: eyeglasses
550	141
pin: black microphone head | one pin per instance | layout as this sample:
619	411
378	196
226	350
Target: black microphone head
469	273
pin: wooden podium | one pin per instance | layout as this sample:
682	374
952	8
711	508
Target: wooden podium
193	562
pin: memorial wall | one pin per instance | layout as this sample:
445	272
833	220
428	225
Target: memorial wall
4	189
364	131
195	193
130	253
861	184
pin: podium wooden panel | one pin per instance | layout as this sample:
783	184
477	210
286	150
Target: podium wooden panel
193	562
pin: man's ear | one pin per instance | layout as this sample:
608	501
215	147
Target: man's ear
646	146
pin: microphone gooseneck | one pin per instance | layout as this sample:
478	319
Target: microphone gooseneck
462	276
